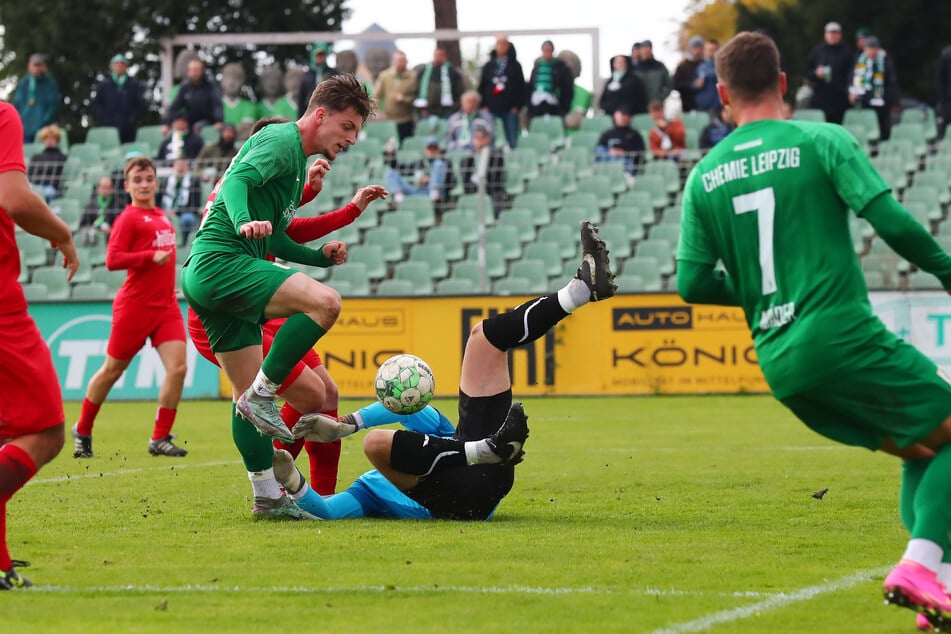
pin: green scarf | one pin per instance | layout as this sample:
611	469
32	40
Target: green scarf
119	79
543	79
869	78
445	85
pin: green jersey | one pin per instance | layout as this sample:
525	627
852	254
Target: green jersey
772	203
271	166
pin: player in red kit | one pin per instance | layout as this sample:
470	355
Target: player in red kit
31	410
142	241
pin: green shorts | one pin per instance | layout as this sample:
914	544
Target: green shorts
894	392
229	292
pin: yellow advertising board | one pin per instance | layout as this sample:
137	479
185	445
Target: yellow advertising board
631	344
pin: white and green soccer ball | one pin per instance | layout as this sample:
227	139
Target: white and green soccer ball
404	384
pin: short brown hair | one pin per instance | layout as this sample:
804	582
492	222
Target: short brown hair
140	162
748	65
265	122
342	92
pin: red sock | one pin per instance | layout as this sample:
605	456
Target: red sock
324	460
16	469
164	419
290	416
87	417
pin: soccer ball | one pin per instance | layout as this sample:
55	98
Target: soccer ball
404	384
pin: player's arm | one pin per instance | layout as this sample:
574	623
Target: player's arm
32	215
907	237
321	428
329	254
234	190
119	253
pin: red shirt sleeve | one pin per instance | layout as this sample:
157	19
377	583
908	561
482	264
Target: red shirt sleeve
306	229
119	253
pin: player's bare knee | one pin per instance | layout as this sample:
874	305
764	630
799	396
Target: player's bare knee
376	446
477	338
53	440
176	371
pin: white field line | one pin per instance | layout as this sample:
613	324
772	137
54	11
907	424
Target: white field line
776	602
122	472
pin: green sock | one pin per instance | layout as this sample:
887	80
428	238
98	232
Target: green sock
292	341
256	450
933	501
912	471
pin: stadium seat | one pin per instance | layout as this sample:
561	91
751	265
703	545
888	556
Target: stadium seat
656	187
371	256
616	174
549	185
531	270
54	279
456	286
416	272
584	140
34	292
921	281
477	203
597	123
34	249
914	132
809	114
399	288
629	283
106	137
580	158
572	215
637	201
381	129
541	144
566	173
83	273
629	219
465	221
866	118
387	237
31	149
563	237
421	209
647	269
355	275
668	170
547	254
642	122
523	161
434	259
924	115
522	219
150	135
93	291
615	236
404	224
209	134
69	210
111	279
600	186
668	232
506	237
939	181
431	126
551	126
495	263
448	239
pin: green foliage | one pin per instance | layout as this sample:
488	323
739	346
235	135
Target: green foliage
628	515
913	32
80	39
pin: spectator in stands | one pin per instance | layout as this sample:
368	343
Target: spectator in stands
275	101
502	87
494	160
668	137
719	127
439	87
621	143
181	197
46	167
395	90
236	108
319	70
551	85
685	75
944	90
656	77
424	177
37	97
829	73
705	85
198	99
460	125
874	84
100	212
216	156
118	100
181	141
623	88
580	97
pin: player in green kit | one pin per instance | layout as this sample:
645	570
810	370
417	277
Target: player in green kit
772	203
234	289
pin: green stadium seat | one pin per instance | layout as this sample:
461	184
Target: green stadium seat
416	272
580	158
566	173
939	181
113	280
533	271
627	218
150	135
513	286
615	173
920	281
600	186
465	221
549	185
69	210
615	236
541	144
399	288
596	124
923	115
209	134
648	269
382	130
34	292
668	232
810	114
524	162
547	254
660	250
387	237
866	118
92	291
421	209
448	239
34	249
431	126
106	137
404	224
355	275
83	274
506	237
656	187
456	286
434	259
54	279
562	237
914	132
642	122
572	216
371	256
523	220
551	126
495	263
629	283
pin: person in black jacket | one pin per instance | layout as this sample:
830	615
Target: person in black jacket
829	73
118	100
198	99
551	85
621	143
623	88
502	87
319	70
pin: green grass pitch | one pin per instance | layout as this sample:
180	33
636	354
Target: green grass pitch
649	514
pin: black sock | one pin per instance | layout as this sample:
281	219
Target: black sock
524	323
422	454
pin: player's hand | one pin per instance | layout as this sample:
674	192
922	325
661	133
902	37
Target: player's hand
366	195
256	229
70	257
316	173
161	257
336	251
320	428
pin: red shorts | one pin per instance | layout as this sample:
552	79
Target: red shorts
33	401
197	333
131	327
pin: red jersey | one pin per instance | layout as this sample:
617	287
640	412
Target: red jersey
136	235
11	158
